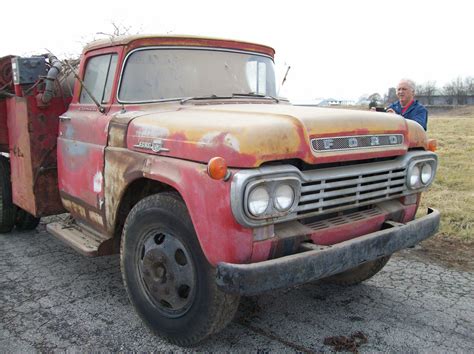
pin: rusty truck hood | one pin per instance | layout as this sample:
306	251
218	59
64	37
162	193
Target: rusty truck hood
247	135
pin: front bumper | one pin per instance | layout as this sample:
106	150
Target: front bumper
317	262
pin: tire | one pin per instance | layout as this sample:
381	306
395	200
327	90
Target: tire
7	208
24	221
358	274
166	275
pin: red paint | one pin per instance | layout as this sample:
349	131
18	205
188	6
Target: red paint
3	126
32	144
208	201
261	250
82	141
410	212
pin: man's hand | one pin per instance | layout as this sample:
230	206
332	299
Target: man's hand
390	110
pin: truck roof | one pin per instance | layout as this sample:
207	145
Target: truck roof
140	40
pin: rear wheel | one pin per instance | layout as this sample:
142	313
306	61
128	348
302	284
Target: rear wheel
167	277
358	274
7	208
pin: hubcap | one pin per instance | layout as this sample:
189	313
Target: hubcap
168	274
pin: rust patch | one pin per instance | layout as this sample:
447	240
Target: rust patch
117	135
96	218
121	168
74	208
416	135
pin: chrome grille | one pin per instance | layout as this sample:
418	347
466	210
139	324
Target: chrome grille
328	190
339	189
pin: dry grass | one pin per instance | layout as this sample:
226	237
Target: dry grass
453	190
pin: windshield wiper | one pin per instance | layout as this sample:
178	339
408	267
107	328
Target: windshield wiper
257	95
209	97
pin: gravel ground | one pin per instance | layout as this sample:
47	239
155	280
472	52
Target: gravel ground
52	298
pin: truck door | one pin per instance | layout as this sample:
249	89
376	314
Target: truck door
83	131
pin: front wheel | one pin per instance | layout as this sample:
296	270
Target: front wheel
167	277
358	274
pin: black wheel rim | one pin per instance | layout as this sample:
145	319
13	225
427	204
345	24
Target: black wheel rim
167	273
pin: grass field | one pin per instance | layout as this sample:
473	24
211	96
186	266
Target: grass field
453	190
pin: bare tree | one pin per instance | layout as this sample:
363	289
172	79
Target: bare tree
469	83
456	89
118	30
427	89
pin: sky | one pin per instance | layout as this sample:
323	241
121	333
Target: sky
336	49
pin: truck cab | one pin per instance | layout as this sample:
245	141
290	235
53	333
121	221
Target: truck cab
176	152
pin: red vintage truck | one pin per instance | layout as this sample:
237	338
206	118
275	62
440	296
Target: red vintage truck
176	152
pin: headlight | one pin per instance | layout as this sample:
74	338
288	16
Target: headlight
426	173
258	201
421	173
283	197
271	198
414	177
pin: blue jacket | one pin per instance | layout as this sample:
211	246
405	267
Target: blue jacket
415	112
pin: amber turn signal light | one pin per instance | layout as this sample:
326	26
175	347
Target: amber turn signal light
432	144
217	169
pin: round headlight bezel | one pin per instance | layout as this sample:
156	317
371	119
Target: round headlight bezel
274	209
415	179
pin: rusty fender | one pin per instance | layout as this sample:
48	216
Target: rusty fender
207	200
317	262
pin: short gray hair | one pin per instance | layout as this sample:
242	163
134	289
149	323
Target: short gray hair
410	83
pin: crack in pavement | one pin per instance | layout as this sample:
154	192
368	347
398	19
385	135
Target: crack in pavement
54	299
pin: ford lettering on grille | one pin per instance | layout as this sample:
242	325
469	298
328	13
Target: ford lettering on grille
355	142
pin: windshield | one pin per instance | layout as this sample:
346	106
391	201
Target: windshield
160	74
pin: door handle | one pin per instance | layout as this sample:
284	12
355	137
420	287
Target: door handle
64	118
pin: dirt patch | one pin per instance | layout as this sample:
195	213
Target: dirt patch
343	343
447	251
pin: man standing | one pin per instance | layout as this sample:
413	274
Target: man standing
407	106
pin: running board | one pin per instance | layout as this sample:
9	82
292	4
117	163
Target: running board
85	242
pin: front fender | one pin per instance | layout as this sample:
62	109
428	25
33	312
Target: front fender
222	239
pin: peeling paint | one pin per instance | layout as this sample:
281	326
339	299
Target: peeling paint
209	138
98	179
76	149
152	132
232	142
214	139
